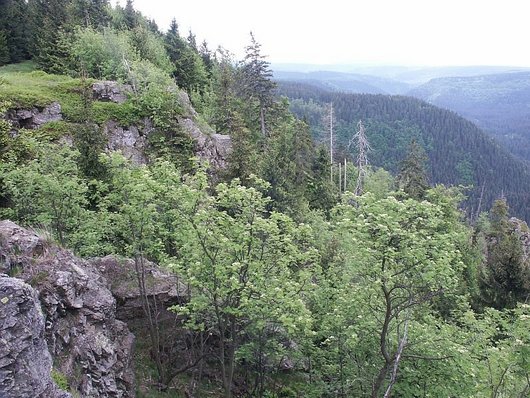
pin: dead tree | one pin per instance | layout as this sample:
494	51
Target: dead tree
363	147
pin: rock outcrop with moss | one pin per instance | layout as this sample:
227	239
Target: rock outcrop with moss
25	362
87	343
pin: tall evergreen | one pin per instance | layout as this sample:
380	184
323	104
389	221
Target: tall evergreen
130	15
90	13
189	72
258	88
14	24
49	18
412	177
506	277
4	49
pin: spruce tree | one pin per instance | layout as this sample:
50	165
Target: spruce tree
14	24
506	278
257	87
4	49
130	16
412	177
189	72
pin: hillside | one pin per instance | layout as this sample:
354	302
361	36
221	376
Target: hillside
170	228
346	82
459	152
497	103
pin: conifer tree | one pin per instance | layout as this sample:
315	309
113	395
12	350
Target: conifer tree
4	49
130	16
14	24
89	13
257	84
506	278
188	70
412	177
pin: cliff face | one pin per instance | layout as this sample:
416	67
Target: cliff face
132	140
25	362
87	343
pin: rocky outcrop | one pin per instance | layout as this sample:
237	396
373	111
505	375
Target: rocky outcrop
25	362
110	91
209	146
130	140
35	117
160	285
90	346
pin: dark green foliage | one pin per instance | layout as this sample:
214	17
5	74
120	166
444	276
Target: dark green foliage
506	277
257	87
287	167
458	151
412	176
188	69
14	23
321	193
89	13
4	49
244	157
130	15
90	140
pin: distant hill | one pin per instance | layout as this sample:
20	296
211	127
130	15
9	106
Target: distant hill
498	103
459	152
410	75
346	82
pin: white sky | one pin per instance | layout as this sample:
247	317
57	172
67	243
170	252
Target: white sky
394	32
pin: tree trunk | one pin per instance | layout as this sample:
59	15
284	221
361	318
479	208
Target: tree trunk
262	121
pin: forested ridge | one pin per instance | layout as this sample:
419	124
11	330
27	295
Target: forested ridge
305	278
497	103
459	153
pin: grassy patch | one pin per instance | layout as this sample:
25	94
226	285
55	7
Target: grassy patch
52	131
60	379
125	114
26	66
25	87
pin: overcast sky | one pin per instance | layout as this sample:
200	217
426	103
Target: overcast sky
394	32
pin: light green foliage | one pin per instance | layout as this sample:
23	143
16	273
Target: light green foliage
103	55
48	192
379	183
246	270
60	379
393	258
26	88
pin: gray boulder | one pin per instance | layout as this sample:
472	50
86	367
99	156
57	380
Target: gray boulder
35	117
88	344
163	288
25	362
110	91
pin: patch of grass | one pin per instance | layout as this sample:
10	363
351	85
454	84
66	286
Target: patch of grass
54	130
37	88
38	278
25	87
125	114
26	66
60	379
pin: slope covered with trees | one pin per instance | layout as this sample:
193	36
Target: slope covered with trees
497	103
459	153
295	286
